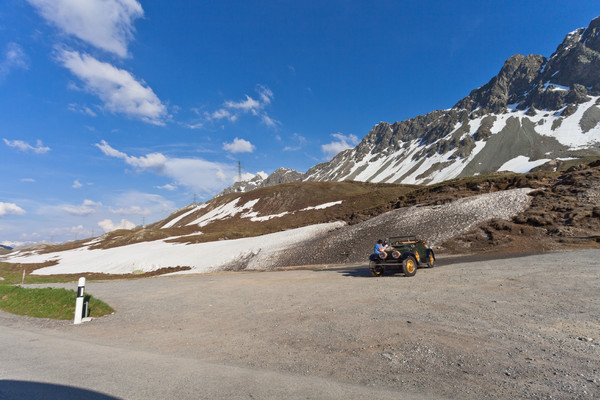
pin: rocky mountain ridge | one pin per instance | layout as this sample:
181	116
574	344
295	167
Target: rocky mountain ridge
536	111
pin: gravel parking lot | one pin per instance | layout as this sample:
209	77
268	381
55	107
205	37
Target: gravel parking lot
526	327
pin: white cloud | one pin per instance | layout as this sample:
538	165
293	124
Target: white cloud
77	229
239	146
105	24
14	58
195	173
76	184
168	186
221	114
153	161
82	109
265	94
86	208
30	180
246	176
197	125
138	203
39	148
109	226
120	92
232	110
10	209
248	105
269	121
132	210
341	143
295	142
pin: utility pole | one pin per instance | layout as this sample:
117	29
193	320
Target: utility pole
239	171
194	197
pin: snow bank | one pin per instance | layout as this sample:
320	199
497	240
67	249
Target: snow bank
201	257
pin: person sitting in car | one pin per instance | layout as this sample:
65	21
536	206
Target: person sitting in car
379	247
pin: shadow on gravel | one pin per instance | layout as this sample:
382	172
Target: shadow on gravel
445	261
363	272
356	272
18	390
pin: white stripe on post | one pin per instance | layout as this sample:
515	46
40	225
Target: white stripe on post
79	301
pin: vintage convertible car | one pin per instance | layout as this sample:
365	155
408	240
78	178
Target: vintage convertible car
406	253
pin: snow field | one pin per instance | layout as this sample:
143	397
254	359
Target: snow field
150	256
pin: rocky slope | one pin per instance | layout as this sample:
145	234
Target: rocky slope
478	215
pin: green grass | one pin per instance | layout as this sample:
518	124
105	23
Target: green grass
41	303
46	302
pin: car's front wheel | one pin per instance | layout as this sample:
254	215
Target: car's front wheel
409	266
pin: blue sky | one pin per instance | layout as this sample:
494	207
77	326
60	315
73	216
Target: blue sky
116	112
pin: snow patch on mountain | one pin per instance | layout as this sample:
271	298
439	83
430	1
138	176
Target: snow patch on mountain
185	214
254	218
570	132
522	164
223	211
323	206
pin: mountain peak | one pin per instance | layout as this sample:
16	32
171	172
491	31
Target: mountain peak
591	36
577	59
511	84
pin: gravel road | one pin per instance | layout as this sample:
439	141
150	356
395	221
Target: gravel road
525	327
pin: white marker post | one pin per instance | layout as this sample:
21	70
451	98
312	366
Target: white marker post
79	301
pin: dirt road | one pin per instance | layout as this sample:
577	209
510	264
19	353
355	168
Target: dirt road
524	327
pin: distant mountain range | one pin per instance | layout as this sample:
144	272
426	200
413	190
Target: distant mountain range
282	175
536	113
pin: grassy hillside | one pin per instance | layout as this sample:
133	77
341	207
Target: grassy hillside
361	201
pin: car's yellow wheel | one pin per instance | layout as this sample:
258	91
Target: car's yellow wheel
409	266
